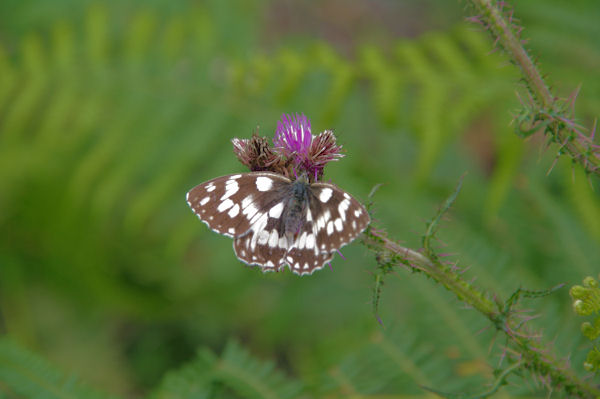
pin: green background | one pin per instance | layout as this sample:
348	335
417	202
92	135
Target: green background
111	111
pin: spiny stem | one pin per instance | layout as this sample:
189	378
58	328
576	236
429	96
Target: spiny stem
509	41
533	352
562	129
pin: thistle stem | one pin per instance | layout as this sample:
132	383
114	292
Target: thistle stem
565	133
534	354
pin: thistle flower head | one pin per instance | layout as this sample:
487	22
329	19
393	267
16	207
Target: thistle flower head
295	150
307	153
293	135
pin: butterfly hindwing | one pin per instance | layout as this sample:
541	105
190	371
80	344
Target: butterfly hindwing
306	261
266	253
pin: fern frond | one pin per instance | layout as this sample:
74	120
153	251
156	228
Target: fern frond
236	370
27	375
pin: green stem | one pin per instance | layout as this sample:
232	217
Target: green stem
533	353
564	133
512	44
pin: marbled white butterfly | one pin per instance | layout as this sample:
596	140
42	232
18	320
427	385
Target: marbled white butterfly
275	221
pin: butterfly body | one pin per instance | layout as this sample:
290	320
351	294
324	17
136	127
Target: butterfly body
276	222
295	211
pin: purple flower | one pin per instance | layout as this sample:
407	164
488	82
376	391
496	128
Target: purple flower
293	135
308	154
296	151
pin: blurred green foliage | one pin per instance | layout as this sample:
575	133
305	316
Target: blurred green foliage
110	112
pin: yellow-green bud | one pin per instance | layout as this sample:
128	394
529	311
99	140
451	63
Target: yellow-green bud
589	331
590	282
582	308
578	292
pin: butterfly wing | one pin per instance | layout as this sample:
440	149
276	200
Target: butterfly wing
333	219
231	205
305	261
251	208
338	218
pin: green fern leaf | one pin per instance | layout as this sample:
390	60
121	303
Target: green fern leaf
27	375
235	370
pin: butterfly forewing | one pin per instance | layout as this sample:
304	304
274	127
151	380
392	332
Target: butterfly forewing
228	204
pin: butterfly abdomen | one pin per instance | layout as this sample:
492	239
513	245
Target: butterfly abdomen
293	219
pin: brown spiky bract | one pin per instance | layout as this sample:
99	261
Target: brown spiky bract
256	153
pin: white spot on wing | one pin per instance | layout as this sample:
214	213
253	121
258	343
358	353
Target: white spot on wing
302	240
223	206
256	217
343	207
357	212
246	201
273	238
283	242
234	211
325	194
235	177
263	237
260	224
263	183
338	224
329	228
250	211
204	201
210	188
231	187
320	223
310	241
275	212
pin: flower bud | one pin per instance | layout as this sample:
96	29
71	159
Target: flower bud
582	308
578	292
590	282
589	331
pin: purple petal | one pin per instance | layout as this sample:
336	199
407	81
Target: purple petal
293	134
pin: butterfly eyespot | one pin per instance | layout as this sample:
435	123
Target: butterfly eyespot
276	222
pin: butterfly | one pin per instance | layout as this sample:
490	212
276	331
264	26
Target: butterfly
275	221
